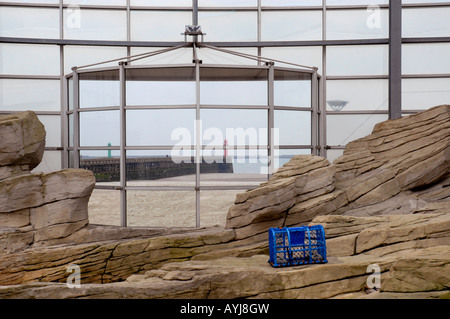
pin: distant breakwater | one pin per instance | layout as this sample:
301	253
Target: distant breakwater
107	169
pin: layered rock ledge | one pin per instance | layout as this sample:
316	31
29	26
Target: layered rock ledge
385	202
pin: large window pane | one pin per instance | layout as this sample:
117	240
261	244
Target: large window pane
51	162
161	208
97	2
292	127
292	89
227	3
357	24
214	205
69	95
426	22
160	127
26	59
52	124
160	168
70	130
334	154
228	25
99	128
99	89
357	60
291	25
282	3
238	127
32	1
88	24
161	3
104	164
429	58
24	22
85	55
233	86
34	95
423	1
419	94
342	129
104	207
357	2
356	95
240	167
171	86
159	25
308	56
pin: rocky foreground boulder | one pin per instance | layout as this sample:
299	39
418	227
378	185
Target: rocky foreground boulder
385	205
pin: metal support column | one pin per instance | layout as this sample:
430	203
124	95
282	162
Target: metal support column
76	120
123	171
322	119
198	141
271	121
315	113
395	59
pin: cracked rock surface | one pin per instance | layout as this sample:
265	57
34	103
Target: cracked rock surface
385	202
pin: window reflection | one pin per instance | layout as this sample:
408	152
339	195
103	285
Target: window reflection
160	127
170	86
98	89
292	89
233	86
100	128
292	127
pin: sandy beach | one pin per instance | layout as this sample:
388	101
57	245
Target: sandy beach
170	208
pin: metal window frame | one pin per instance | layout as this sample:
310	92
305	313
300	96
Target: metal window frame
197	66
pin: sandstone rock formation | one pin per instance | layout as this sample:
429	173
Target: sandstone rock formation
401	168
386	202
36	208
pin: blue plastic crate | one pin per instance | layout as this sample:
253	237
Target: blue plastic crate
290	246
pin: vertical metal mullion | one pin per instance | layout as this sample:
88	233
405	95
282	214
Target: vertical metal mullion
63	92
259	30
63	82
123	194
76	120
315	113
195	17
271	121
395	59
198	158
128	27
323	90
322	122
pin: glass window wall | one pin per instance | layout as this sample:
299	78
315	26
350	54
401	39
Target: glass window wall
426	22
162	111
291	25
34	95
357	60
90	24
29	59
27	22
